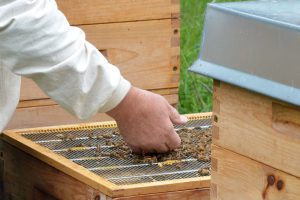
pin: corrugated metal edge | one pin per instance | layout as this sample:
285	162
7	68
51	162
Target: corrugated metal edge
248	81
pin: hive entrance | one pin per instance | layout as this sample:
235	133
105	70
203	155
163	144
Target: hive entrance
93	147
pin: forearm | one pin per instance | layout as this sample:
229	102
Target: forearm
37	42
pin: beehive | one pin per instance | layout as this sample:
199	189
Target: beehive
141	37
251	50
38	164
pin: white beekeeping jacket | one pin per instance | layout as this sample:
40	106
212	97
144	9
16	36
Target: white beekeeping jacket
36	41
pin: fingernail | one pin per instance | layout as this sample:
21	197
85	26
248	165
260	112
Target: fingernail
183	118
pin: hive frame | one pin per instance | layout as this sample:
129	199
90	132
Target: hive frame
82	174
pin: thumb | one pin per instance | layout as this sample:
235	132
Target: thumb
176	118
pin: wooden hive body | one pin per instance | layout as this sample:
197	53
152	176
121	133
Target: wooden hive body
29	170
256	146
141	37
249	52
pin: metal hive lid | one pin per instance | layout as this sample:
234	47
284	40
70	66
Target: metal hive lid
255	45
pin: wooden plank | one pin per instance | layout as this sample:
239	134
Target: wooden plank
103	11
36	103
286	119
29	90
171	98
142	51
36	179
197	194
165	186
238	177
258	127
144	47
53	114
39	194
168	93
47	116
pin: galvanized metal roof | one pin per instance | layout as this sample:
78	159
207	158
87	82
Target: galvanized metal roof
255	45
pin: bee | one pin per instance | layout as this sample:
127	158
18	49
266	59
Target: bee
150	160
61	136
178	165
80	145
99	137
91	135
98	150
116	155
70	136
204	158
109	143
204	172
107	135
201	147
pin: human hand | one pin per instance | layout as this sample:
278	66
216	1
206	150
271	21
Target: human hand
145	122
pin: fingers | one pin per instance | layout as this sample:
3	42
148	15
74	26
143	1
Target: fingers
163	148
176	118
174	140
149	129
150	149
169	139
170	142
136	150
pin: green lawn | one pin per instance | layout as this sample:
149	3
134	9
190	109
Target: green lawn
195	93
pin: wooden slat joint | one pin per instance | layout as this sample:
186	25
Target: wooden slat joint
175	8
214	191
217	83
216	105
175	15
175	23
214	164
215	133
175	41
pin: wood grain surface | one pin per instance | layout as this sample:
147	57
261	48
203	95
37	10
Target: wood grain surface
258	127
107	11
237	177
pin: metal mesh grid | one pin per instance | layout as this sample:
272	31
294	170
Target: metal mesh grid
80	148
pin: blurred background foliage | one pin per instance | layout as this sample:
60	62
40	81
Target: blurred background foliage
195	92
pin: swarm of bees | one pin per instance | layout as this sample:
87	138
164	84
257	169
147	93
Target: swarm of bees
196	144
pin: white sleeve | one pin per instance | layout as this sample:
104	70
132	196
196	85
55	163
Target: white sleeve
38	42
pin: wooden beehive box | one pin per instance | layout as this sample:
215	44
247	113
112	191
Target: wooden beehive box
141	37
256	146
35	164
256	105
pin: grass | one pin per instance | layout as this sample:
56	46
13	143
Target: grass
195	92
